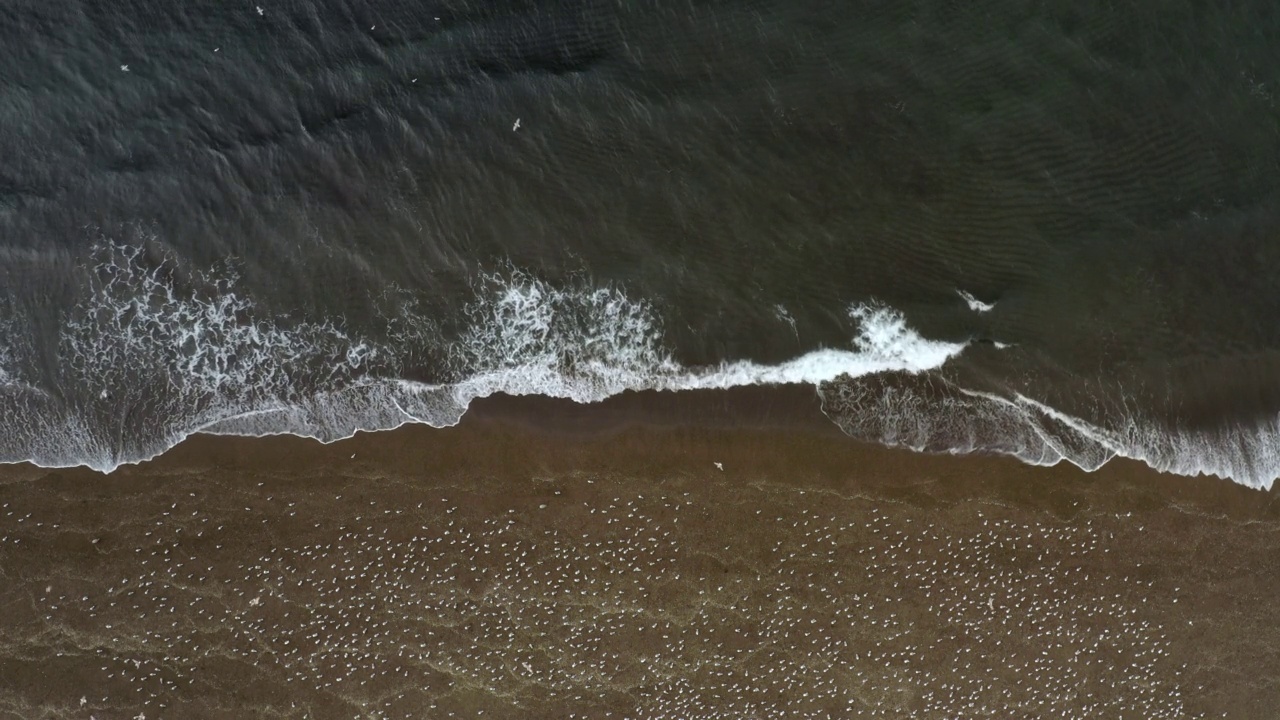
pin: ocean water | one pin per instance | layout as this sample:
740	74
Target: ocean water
1040	229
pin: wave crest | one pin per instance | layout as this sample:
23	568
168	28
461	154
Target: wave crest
149	358
152	356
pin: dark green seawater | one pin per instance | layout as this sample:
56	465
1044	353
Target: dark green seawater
1047	229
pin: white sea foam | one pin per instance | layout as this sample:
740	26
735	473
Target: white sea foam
208	363
974	303
146	363
883	343
8	341
15	351
963	421
528	338
205	344
1249	455
589	344
782	313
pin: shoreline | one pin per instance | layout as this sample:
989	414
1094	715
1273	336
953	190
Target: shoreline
558	435
787	409
520	562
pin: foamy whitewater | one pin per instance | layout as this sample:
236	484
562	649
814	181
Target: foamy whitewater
144	365
974	303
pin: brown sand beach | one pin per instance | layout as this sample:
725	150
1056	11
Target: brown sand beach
701	555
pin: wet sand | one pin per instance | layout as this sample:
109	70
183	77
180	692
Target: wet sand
548	560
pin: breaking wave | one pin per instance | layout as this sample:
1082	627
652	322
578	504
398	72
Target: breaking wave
149	358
